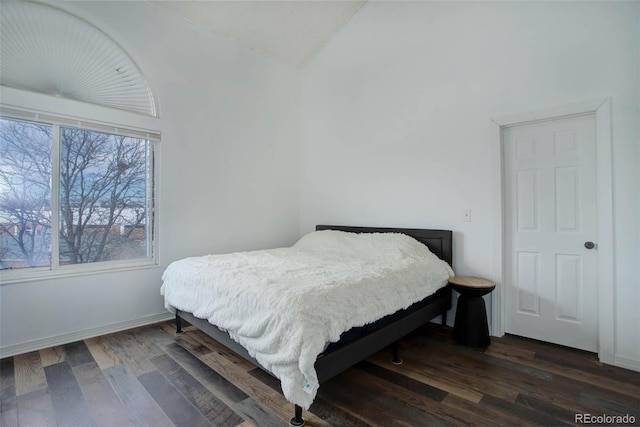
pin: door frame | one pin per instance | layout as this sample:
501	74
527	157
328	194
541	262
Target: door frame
601	109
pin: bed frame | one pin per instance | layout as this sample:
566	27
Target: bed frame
383	333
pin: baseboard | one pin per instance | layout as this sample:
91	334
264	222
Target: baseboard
627	363
39	344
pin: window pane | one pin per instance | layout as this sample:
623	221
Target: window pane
25	194
104	203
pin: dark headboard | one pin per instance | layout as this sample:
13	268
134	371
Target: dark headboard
440	242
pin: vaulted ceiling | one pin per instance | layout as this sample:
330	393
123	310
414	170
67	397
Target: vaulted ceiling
290	31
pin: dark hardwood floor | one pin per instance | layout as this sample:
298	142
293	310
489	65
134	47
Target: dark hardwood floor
152	377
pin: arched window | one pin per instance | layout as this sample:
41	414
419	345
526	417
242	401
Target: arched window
78	128
47	50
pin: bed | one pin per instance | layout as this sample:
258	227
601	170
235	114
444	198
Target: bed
309	322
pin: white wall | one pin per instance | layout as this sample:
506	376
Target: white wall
397	112
228	172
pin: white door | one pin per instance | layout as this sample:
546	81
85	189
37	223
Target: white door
550	215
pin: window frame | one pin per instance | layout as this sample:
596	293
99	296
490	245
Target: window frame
60	112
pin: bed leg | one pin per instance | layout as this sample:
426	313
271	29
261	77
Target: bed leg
178	324
444	319
297	419
396	358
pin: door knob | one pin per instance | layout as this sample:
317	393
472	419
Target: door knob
589	245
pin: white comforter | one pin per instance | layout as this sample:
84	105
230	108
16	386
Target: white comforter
284	305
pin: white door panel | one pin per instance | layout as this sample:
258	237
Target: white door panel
550	212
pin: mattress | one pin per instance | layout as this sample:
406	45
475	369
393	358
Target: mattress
285	305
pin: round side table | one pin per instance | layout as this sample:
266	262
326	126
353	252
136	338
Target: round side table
471	327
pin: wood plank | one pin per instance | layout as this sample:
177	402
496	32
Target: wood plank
570	390
532	382
192	342
611	404
212	380
169	327
321	407
540	347
198	395
585	377
328	412
266	378
473	361
405	382
156	335
374	392
526	415
177	408
228	361
544	406
67	398
29	374
36	409
262	393
102	352
358	403
200	344
9	418
388	391
143	339
484	356
559	392
257	414
8	407
142	408
477	415
419	373
529	381
78	354
104	404
480	376
134	350
187	339
221	350
52	355
585	361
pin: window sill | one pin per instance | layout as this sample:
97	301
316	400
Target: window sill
16	276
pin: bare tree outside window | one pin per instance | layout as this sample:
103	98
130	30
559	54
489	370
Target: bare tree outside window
103	200
25	194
